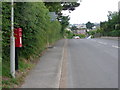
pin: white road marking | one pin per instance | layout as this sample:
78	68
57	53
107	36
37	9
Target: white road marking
115	46
102	43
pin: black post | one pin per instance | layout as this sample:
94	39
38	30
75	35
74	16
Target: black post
16	57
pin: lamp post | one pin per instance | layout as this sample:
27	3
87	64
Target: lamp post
119	6
12	43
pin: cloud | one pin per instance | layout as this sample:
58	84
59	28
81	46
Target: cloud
93	10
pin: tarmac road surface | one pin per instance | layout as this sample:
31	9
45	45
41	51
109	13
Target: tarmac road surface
77	63
92	63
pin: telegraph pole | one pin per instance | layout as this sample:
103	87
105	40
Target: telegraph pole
12	42
119	6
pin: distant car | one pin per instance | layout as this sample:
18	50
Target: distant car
76	37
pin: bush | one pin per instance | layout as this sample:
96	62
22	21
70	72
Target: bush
6	31
82	35
69	34
114	33
92	32
95	33
38	30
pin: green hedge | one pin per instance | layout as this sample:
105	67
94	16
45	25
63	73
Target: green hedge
6	31
113	33
38	30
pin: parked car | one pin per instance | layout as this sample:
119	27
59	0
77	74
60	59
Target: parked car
76	37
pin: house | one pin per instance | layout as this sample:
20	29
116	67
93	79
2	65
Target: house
83	31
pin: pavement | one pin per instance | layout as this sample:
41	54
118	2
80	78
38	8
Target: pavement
111	38
47	72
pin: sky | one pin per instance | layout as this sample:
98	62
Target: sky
94	11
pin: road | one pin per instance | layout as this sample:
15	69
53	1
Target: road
76	63
92	63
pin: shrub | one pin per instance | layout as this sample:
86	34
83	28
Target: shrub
82	35
68	34
37	28
114	33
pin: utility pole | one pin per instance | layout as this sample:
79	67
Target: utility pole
119	6
12	42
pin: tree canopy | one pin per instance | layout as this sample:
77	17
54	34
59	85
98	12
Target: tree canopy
89	25
112	26
59	6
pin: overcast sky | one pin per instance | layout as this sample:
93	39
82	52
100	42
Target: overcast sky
93	11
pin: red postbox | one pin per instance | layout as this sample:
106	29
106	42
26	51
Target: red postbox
18	37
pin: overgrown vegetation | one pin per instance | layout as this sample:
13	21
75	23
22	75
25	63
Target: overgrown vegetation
81	35
108	28
0	47
8	81
38	33
95	33
69	34
112	26
57	7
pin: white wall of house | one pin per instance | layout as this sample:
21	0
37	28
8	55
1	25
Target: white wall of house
81	31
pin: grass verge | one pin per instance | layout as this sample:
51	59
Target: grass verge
0	66
8	81
24	67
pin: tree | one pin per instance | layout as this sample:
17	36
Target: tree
70	5
112	26
64	20
59	6
54	6
89	25
74	28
